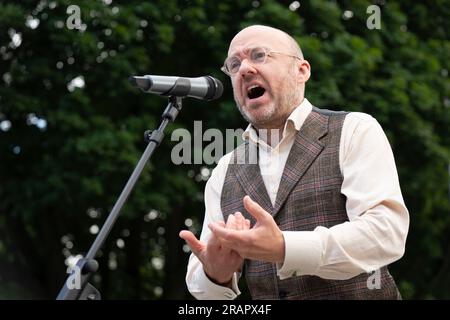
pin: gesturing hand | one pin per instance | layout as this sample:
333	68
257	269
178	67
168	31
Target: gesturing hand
263	242
219	261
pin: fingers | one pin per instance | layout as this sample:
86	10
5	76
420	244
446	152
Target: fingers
255	209
227	236
240	221
247	224
213	242
243	224
195	245
232	223
221	223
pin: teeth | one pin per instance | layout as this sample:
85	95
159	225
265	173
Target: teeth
252	87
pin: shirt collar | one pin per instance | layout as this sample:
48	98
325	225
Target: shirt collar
293	123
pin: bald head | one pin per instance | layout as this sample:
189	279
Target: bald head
266	90
282	38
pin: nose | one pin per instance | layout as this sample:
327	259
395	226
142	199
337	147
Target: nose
246	68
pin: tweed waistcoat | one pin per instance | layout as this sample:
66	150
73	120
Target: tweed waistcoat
309	195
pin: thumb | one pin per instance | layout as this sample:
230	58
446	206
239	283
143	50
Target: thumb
196	245
255	209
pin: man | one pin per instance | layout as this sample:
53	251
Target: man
321	214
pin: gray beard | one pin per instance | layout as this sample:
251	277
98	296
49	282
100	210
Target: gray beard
241	110
289	100
247	118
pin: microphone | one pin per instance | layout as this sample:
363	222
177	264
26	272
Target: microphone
204	88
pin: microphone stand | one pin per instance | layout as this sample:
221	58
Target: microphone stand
77	286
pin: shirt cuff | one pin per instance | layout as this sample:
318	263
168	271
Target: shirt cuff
303	254
212	291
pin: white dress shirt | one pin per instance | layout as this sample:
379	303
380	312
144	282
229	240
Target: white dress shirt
375	234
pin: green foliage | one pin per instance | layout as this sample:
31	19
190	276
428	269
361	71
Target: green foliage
61	177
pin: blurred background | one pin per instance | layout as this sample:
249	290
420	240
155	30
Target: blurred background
71	128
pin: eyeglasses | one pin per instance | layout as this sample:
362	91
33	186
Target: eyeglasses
256	55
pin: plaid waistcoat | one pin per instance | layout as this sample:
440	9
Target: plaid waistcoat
309	195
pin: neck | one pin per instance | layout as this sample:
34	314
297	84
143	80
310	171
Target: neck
271	136
273	133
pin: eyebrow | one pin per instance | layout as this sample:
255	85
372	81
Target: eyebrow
237	52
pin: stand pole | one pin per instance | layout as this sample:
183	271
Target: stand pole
76	286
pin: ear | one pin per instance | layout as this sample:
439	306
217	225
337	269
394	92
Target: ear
304	71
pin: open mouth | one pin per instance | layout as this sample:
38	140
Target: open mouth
255	92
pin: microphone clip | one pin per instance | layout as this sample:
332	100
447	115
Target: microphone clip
169	115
